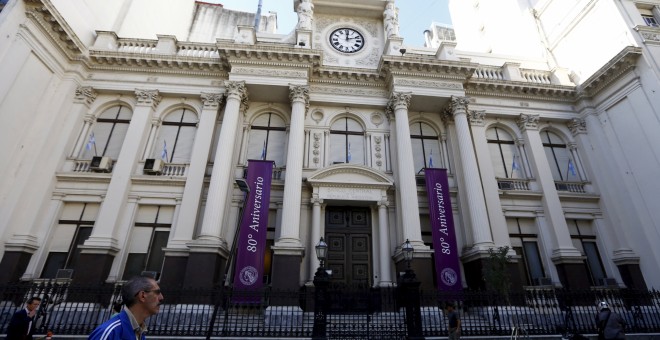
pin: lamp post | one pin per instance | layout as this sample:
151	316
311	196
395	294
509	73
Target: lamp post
410	291
321	282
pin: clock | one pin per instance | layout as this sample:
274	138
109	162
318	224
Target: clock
346	40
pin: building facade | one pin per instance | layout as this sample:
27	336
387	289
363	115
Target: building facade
124	128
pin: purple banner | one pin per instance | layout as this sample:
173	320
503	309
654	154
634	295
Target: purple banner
248	273
447	263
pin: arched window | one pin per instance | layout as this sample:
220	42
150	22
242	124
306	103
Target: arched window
426	150
176	137
346	142
503	154
268	139
562	166
108	133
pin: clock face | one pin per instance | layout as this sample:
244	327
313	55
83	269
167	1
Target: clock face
346	40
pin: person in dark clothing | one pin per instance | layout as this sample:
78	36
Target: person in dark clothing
21	325
454	322
609	323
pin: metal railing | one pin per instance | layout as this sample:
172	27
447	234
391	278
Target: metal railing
371	313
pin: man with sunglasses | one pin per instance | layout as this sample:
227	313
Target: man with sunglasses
142	298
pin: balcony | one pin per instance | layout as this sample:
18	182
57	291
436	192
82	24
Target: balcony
576	187
513	184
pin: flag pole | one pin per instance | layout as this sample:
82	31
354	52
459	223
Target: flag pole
257	18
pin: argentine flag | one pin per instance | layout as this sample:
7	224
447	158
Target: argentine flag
163	154
431	159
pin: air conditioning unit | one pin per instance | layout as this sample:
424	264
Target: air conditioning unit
503	185
100	164
153	166
151	274
543	281
65	274
561	186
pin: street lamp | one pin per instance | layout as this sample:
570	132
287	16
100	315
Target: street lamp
321	282
407	250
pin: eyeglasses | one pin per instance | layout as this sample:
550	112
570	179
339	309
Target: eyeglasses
157	291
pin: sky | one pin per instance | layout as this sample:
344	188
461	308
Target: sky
415	16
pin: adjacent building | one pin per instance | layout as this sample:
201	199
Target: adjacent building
125	125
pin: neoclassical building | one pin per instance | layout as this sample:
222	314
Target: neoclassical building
125	125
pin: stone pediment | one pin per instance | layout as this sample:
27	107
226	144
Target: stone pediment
349	176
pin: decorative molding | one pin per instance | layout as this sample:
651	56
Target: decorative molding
476	117
211	101
577	126
147	97
85	94
378	147
343	91
427	83
371	59
399	100
458	105
528	122
622	63
377	119
317	147
239	90
269	72
299	93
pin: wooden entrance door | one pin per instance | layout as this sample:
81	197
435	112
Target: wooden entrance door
348	234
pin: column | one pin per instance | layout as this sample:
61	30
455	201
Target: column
216	201
288	251
184	225
210	249
445	152
567	258
315	235
384	245
289	237
100	248
471	178
84	97
155	124
495	215
407	186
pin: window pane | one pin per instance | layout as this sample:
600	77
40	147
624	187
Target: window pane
156	253
554	166
55	261
114	141
62	237
134	265
165	214
184	144
432	150
496	159
353	126
140	238
147	214
534	264
256	144
356	149
337	148
593	261
277	145
418	156
83	235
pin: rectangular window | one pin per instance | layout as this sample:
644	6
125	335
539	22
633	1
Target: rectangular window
73	229
584	239
650	19
523	236
148	239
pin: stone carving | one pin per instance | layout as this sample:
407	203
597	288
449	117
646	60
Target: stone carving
527	121
238	89
377	119
349	91
317	146
391	20
428	83
372	59
299	93
211	100
147	97
85	94
305	15
269	72
378	148
458	105
476	118
577	126
399	100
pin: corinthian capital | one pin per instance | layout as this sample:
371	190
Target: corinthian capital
238	90
476	118
577	126
526	121
147	97
458	105
211	100
299	93
85	94
399	100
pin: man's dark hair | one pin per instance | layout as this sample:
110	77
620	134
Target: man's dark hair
33	299
134	286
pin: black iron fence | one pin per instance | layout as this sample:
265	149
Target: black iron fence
367	313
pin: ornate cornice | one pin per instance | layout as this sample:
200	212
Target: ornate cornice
269	55
518	89
623	62
353	91
324	176
44	14
416	66
528	122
